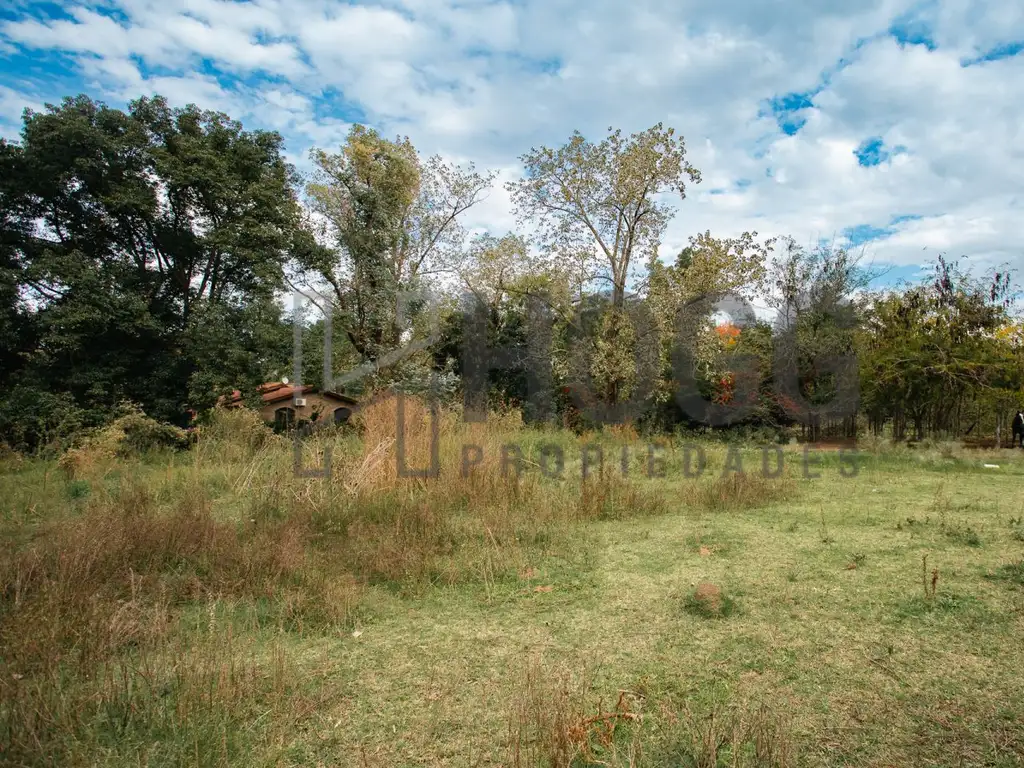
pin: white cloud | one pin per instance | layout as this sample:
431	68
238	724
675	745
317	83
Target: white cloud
485	81
160	37
361	34
12	104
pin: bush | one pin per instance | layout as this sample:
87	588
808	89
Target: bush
31	419
131	433
141	433
239	428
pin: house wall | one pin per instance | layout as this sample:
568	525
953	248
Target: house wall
315	403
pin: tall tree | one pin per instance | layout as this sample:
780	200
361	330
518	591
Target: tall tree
514	300
683	296
817	295
150	225
598	206
16	327
600	202
391	219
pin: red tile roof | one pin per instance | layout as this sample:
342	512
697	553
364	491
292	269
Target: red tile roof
275	391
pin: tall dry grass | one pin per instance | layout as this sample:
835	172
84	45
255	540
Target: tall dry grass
557	719
554	720
91	642
99	649
736	491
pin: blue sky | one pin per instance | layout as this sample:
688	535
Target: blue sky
891	127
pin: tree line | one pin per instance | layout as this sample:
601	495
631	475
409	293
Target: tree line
144	253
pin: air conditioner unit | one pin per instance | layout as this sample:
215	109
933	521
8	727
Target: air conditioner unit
300	402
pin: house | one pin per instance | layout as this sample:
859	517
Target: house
284	405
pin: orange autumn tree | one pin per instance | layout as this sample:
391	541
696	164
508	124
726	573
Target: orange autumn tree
728	334
725	386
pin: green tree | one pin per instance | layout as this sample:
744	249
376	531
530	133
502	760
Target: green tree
600	202
598	208
682	297
153	229
503	280
17	331
818	298
391	219
932	357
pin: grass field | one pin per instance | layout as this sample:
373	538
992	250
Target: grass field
210	608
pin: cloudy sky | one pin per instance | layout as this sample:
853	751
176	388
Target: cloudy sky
893	127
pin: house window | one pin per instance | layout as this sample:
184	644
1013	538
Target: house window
341	415
284	419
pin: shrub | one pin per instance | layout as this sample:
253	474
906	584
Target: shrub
131	433
234	431
31	419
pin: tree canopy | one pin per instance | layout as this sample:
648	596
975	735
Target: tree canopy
135	237
145	253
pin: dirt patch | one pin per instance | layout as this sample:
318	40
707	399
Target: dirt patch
709	597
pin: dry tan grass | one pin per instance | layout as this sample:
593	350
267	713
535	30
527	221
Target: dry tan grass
91	612
76	585
553	722
744	736
738	491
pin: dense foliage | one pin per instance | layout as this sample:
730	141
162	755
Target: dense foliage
144	254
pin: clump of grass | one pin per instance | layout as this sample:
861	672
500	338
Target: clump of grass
1012	572
826	537
396	431
550	723
232	435
550	726
746	735
961	533
78	489
709	601
946	602
933	603
609	496
738	491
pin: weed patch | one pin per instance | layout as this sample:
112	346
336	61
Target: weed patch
551	723
746	735
947	604
1011	572
738	491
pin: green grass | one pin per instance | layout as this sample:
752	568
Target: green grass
207	608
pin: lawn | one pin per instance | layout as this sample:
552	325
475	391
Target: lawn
208	607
